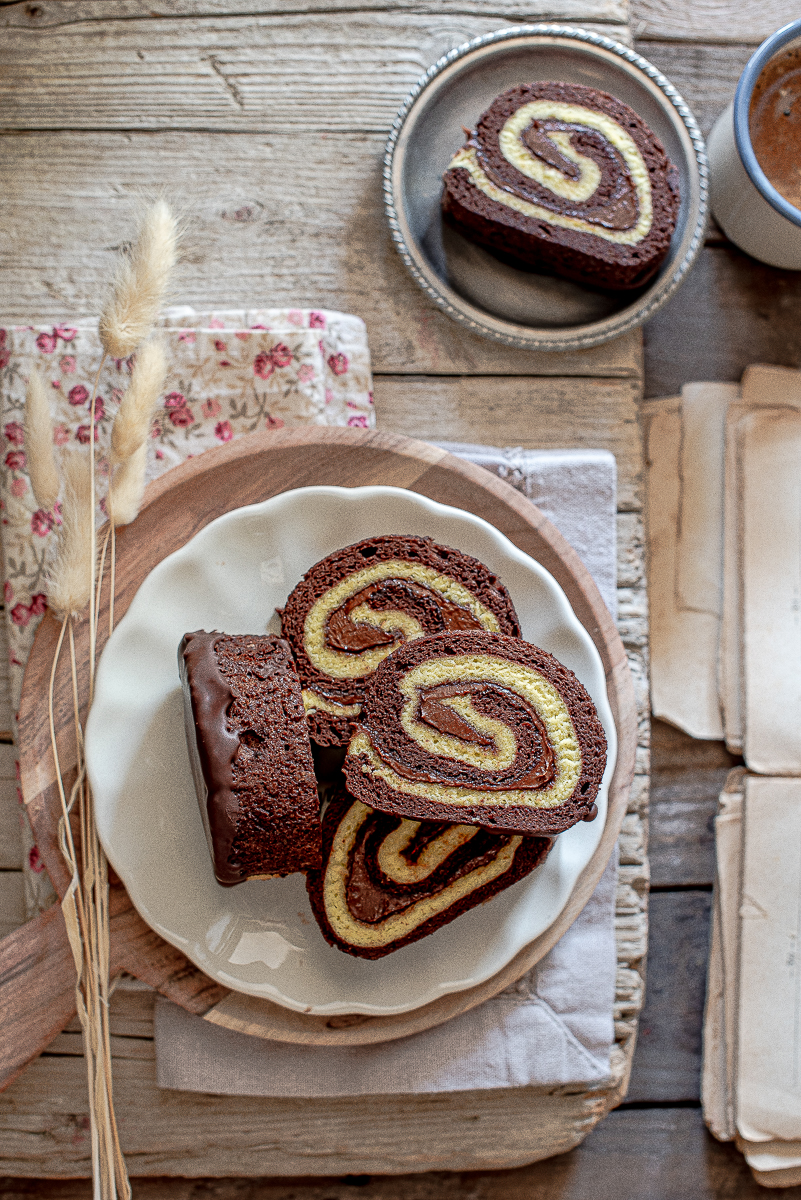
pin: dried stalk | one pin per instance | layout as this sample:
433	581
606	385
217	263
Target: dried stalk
76	580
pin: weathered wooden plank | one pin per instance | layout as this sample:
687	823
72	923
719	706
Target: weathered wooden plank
534	413
44	1128
711	20
12	903
732	311
294	72
24	15
664	1154
688	775
706	75
667	1060
10	829
264	228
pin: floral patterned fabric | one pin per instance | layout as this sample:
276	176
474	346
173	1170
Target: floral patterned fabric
228	373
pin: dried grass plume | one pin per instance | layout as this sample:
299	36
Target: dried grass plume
134	418
70	583
40	458
127	487
140	283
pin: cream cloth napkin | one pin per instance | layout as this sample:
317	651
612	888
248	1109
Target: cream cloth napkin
554	1026
228	373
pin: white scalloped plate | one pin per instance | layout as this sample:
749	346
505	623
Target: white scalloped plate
260	937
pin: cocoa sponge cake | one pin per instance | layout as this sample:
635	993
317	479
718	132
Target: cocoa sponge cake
358	605
250	754
478	728
387	881
567	179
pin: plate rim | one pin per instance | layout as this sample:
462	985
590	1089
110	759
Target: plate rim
509	333
187	941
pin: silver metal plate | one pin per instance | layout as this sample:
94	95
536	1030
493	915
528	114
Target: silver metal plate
517	306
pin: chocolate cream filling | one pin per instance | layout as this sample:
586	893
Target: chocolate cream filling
433	611
534	766
372	896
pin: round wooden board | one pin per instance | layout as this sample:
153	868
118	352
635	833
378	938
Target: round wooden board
176	507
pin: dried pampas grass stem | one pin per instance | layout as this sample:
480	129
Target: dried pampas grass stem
41	461
70	583
134	417
75	581
127	486
140	283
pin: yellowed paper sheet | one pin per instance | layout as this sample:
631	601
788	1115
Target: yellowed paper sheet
730	657
769	1021
770	458
720	1018
685	559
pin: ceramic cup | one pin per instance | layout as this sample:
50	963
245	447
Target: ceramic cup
746	205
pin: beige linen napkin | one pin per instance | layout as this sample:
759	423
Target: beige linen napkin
228	373
554	1026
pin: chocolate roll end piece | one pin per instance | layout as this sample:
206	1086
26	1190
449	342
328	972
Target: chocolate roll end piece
387	882
522	751
356	606
250	755
568	180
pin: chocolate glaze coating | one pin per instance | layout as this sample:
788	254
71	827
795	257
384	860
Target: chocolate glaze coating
381	721
328	729
372	896
250	754
571	253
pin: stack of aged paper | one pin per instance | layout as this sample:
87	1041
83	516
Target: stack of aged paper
724	532
751	1086
724	517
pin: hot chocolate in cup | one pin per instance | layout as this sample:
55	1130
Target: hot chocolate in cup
755	155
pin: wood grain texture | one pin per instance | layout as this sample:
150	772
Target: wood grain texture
667	1060
662	1154
10	828
25	15
710	20
705	75
534	413
12	902
310	72
44	1129
264	227
688	776
247	471
731	312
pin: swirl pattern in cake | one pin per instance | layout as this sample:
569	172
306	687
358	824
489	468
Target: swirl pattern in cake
569	179
488	730
356	606
387	881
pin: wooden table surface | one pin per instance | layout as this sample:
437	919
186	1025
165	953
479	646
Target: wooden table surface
76	140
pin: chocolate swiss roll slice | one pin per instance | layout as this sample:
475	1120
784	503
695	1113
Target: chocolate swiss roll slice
250	755
567	179
387	881
483	729
356	606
